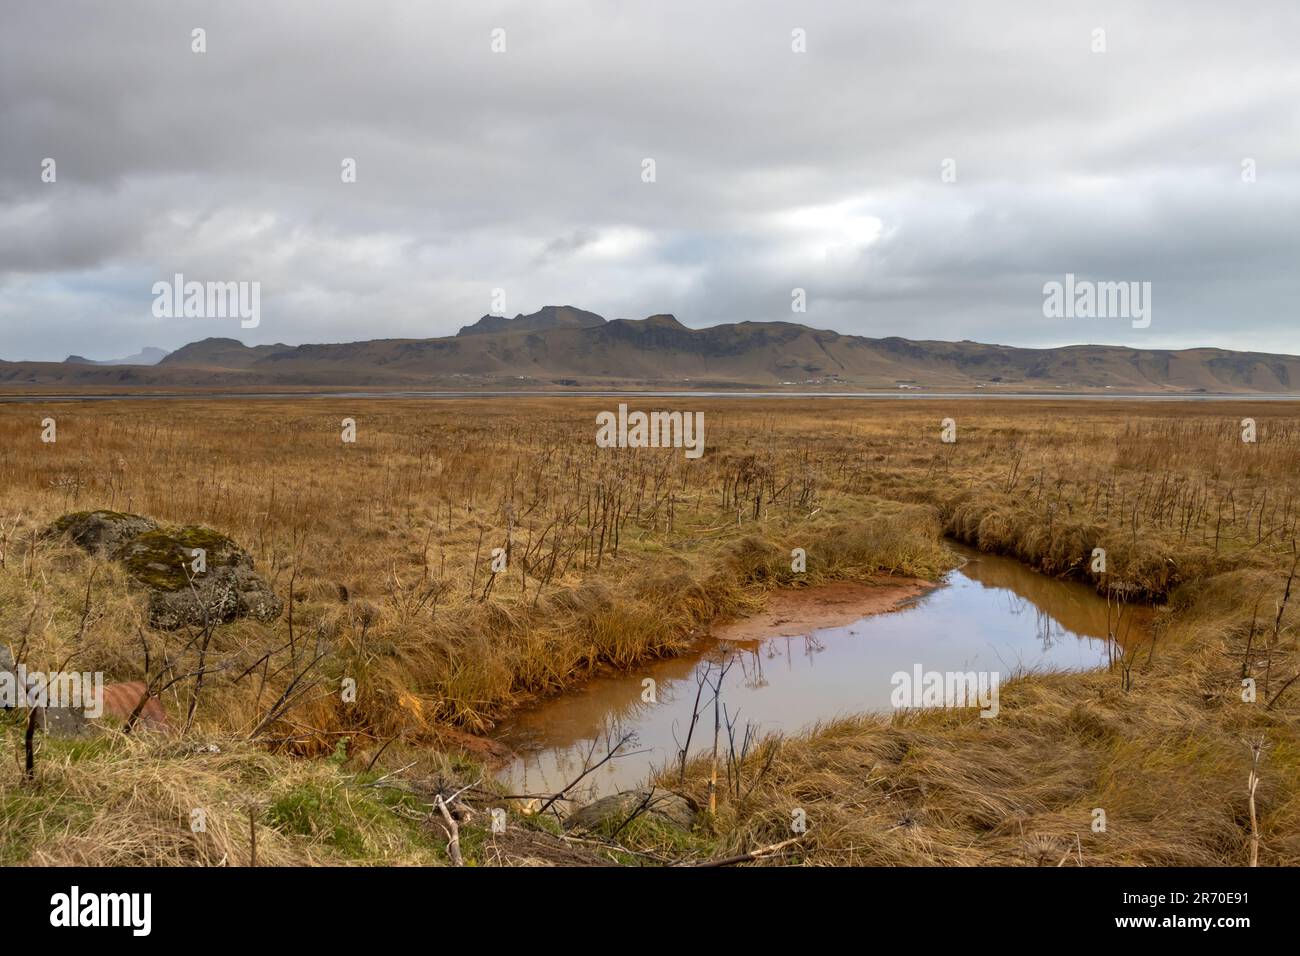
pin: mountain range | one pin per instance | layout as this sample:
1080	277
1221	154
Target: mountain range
146	356
567	347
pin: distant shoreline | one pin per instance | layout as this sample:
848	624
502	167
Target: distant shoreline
430	394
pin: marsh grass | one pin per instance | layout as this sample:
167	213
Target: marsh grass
383	549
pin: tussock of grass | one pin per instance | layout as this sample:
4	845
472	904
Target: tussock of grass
122	801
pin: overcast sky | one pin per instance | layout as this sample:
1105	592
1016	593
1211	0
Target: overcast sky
774	169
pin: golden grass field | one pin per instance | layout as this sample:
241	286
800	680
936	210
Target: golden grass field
381	549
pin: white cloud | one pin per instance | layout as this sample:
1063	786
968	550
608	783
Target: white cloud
522	170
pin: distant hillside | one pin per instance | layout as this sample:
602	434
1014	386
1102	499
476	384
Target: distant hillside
220	354
567	347
146	356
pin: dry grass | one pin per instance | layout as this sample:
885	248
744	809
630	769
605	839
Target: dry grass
123	801
617	556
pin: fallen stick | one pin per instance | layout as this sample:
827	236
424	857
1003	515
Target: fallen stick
453	831
1252	784
752	854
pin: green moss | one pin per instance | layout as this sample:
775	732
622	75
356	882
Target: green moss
158	558
161	559
63	523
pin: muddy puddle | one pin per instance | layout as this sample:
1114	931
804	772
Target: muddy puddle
817	660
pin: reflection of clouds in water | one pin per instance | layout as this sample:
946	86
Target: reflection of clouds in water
1013	603
1048	631
1009	619
549	771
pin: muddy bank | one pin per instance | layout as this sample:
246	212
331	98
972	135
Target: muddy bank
795	612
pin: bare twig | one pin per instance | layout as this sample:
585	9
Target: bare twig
752	854
1252	784
613	752
453	832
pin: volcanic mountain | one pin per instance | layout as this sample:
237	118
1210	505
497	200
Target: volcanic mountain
566	347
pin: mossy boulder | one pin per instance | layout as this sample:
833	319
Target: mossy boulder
193	574
163	558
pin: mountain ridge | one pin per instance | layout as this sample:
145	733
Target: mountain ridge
149	355
547	317
566	347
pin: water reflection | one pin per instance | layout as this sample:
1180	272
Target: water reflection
992	614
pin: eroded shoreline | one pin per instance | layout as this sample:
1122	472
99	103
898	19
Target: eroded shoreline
794	612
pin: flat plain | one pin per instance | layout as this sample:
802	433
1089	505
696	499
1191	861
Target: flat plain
382	550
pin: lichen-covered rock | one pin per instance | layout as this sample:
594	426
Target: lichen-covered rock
659	805
163	560
193	574
101	533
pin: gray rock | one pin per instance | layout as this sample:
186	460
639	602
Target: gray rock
162	561
222	595
9	674
56	721
102	533
608	813
63	721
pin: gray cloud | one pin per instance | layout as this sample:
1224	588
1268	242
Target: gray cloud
522	170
